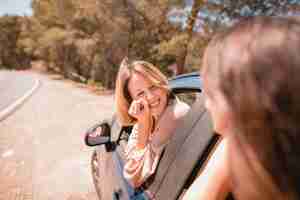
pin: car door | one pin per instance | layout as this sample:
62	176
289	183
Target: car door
113	184
110	183
188	147
187	151
178	151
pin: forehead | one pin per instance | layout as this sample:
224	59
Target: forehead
138	82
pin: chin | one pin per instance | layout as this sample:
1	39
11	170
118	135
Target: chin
156	111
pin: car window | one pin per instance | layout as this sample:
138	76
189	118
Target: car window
124	137
189	97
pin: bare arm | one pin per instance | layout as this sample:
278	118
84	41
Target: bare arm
213	182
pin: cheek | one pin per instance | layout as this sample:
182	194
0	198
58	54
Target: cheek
221	123
222	120
162	95
218	118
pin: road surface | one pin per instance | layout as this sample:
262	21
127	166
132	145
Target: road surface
42	154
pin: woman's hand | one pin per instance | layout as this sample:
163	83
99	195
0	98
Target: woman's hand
140	110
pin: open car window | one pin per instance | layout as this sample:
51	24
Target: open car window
189	97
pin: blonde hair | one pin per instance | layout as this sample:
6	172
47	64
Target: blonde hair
123	98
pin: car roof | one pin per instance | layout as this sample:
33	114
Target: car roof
190	81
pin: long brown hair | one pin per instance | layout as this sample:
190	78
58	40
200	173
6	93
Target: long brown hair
256	66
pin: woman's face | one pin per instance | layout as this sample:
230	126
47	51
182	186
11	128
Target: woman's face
141	87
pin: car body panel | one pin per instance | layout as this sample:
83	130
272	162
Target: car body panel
189	81
189	156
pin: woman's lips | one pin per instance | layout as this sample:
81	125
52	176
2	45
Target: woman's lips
155	104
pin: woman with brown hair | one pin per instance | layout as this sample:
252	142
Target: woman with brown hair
251	79
144	101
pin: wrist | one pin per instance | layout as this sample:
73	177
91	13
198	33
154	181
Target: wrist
145	120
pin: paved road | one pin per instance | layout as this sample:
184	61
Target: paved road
13	86
42	155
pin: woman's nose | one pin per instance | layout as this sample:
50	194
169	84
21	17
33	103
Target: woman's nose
149	95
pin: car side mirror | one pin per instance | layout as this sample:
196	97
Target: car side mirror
98	135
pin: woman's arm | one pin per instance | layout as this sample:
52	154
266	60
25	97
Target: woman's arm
213	182
144	129
141	159
140	110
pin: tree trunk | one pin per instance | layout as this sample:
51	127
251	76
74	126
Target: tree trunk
189	32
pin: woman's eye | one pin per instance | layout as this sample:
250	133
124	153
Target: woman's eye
140	94
153	87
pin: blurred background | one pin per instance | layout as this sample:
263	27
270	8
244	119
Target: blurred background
80	44
86	40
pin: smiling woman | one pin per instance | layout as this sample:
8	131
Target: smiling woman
144	100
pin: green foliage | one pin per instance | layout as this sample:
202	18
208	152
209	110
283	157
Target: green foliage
46	12
172	46
10	55
28	45
86	40
227	11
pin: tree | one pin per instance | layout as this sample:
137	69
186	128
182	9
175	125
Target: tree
11	56
198	4
89	38
207	17
219	13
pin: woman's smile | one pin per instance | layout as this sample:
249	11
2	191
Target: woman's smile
154	103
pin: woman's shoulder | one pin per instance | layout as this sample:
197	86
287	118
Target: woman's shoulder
180	108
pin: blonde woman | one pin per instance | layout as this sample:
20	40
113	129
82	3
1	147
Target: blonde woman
144	101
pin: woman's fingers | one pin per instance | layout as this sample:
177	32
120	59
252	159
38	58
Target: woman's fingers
133	108
145	104
139	109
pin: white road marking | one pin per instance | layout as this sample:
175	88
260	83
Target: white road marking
8	110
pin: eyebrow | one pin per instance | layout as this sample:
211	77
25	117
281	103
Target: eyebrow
142	90
138	91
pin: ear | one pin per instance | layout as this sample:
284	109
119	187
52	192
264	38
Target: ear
221	114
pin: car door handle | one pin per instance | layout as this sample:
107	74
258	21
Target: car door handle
117	194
